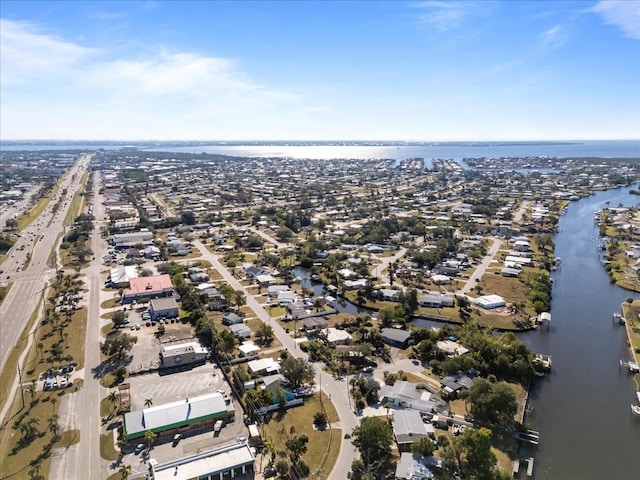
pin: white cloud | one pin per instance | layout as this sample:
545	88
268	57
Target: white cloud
553	37
26	53
55	88
625	14
443	15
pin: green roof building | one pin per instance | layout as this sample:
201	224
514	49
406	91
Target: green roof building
180	415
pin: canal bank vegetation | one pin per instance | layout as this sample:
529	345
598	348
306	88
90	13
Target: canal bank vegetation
620	239
502	356
631	314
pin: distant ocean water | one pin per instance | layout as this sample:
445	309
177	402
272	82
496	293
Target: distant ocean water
611	149
453	151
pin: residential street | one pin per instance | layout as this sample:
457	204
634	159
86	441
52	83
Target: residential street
334	389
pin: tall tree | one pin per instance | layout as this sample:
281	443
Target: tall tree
492	404
297	370
373	439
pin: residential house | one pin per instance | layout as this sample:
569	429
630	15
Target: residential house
409	428
436	301
240	330
412	395
395	337
333	336
416	467
231	318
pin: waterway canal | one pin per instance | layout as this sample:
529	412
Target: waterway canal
582	410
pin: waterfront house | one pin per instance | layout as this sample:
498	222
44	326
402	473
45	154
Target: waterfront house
489	302
436	301
395	337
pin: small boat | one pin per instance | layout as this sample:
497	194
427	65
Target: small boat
635	409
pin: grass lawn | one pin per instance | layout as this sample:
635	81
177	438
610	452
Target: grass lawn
77	202
10	369
632	316
254	323
511	289
107	450
622	274
24	220
16	459
110	303
72	339
323	446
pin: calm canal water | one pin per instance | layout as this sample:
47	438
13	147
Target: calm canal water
582	410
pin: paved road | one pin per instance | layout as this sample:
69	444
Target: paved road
82	460
479	272
336	390
29	278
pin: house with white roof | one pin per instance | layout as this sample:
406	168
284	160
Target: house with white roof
408	395
333	336
409	428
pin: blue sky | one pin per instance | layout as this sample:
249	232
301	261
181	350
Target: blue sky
325	70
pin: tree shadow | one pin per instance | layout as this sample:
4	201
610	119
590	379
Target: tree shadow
109	365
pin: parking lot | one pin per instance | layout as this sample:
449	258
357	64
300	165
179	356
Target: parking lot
55	379
164	387
147	350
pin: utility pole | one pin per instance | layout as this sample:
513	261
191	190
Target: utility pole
20	381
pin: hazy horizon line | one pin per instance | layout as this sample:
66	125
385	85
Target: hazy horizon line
248	140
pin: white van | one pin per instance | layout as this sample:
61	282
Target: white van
218	426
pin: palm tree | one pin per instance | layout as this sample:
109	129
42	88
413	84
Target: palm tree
387	407
53	425
41	348
150	437
148	402
125	471
113	397
53	404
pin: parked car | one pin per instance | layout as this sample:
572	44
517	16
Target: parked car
63	382
139	448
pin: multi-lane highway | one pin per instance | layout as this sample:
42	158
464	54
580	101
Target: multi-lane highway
28	265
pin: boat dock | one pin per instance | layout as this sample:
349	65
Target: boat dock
516	467
530	438
632	366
